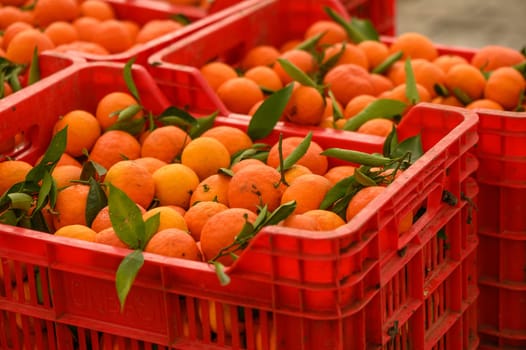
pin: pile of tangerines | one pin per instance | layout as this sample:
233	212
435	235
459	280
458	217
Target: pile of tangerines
164	170
357	74
62	25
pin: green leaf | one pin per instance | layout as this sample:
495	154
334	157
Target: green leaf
19	187
353	30
128	79
14	80
8	217
295	73
181	18
177	117
441	90
257	151
39	223
281	213
391	141
220	272
132	126
202	124
92	169
126	113
388	62
297	153
521	68
411	145
56	148
226	172
48	190
267	115
20	201
366	28
411	92
260	220
177	112
337	113
247	232
357	157
2	90
363	179
462	96
310	43
34	68
520	106
266	90
336	192
126	273
324	67
126	218
380	108
38	285
96	200
151	226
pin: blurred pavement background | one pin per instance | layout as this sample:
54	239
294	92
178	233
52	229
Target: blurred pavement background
468	23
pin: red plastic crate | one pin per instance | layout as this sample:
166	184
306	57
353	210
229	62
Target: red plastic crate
313	290
142	11
502	226
382	13
273	22
50	63
424	305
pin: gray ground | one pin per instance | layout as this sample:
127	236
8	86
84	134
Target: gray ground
468	23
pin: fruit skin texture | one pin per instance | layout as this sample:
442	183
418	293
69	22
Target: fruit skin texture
504	86
377	126
213	188
255	186
12	172
165	143
466	78
232	138
239	94
197	215
168	218
347	81
114	146
491	57
361	199
83	131
305	107
307	191
77	231
71	206
332	32
221	229
134	180
205	156
173	242
174	184
414	45
20	49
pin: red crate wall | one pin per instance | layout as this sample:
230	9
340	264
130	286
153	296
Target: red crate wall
502	229
502	226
